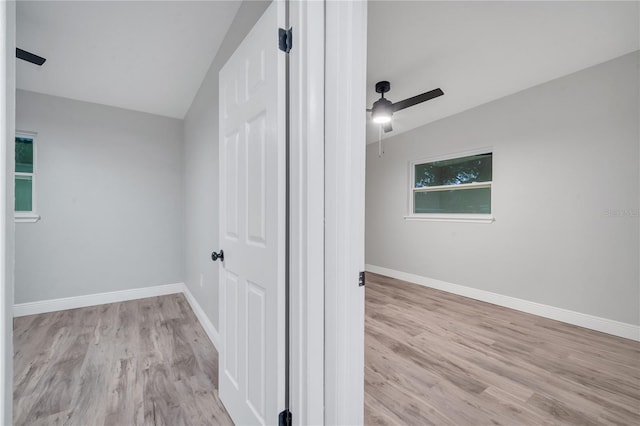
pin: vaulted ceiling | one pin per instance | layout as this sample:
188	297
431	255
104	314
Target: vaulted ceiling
147	56
151	56
480	51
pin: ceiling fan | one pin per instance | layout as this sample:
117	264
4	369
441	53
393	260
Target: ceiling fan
29	57
383	108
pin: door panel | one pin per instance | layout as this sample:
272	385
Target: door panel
231	201
252	226
231	335
256	181
256	348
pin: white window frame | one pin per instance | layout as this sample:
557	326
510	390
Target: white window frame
449	217
32	216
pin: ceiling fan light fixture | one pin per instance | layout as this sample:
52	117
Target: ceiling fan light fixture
382	111
382	119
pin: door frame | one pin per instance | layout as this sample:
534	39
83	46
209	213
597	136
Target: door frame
7	226
345	150
306	214
328	122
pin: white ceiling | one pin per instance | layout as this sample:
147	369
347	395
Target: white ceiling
481	51
147	56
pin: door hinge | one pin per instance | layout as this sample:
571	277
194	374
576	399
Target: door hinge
361	280
285	39
284	419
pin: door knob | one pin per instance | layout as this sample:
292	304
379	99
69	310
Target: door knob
215	256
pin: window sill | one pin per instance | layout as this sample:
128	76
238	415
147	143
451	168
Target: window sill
26	218
469	218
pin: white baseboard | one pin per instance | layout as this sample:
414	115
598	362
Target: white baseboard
203	318
616	328
44	306
52	305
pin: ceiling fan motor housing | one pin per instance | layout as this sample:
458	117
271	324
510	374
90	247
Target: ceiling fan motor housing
383	87
382	111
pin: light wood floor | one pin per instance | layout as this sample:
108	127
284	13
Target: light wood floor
146	361
436	358
431	358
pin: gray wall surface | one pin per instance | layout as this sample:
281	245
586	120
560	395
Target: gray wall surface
201	170
109	191
565	196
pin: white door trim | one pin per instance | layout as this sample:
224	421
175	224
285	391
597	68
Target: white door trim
4	119
345	121
7	226
307	213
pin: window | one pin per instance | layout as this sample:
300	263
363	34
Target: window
25	177
453	188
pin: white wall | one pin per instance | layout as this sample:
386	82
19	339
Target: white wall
7	121
566	196
201	169
109	191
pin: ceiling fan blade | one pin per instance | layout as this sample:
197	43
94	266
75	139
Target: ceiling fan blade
387	127
397	106
29	57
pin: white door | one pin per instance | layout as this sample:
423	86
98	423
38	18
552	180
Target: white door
252	225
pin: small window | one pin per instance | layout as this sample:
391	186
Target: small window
25	178
452	188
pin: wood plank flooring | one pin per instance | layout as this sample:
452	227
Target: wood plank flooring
436	358
145	361
431	358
